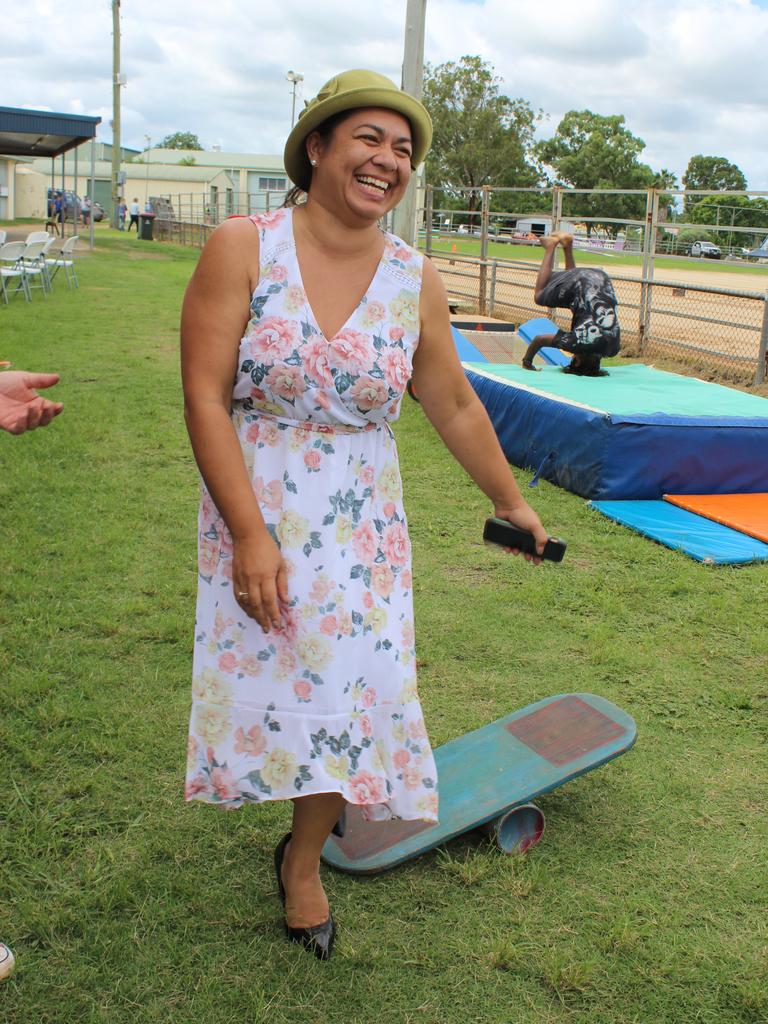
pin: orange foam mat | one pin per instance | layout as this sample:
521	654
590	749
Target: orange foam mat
747	513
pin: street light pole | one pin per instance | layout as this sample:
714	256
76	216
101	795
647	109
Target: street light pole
294	77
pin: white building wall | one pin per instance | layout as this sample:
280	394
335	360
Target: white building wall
31	193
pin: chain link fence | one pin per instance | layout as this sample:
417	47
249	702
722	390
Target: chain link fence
708	329
716	331
189	218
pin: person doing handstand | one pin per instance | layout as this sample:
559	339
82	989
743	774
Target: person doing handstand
589	294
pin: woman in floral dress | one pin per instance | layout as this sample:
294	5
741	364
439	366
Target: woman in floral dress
304	680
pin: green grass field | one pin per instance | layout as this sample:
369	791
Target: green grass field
646	901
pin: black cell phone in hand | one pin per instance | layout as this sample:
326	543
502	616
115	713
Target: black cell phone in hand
499	531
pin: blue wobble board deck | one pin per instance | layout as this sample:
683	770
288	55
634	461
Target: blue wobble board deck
489	771
676	528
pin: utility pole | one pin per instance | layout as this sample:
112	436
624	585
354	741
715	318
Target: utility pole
117	81
413	75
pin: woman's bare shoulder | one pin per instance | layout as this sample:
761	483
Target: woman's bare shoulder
234	244
434	300
239	231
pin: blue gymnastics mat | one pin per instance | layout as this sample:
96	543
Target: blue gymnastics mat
639	433
541	325
676	528
468	353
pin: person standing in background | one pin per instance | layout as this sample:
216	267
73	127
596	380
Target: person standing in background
135	210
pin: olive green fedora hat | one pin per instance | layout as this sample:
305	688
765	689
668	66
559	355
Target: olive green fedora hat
349	91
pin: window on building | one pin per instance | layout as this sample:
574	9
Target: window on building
273	183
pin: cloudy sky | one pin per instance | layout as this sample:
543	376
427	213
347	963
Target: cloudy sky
689	75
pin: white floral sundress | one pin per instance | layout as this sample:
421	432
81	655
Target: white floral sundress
328	703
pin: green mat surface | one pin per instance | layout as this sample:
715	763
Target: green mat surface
633	390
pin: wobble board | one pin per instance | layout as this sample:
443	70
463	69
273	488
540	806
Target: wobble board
489	771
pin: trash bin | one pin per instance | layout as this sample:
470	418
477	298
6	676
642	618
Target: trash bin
146	224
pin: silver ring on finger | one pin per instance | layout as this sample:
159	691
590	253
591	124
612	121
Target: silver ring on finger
244	593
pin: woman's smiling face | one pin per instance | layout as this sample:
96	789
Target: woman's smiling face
366	162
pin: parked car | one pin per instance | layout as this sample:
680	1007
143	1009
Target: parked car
706	250
70	200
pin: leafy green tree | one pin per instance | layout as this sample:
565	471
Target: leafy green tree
665	179
739	211
595	151
179	140
712	173
589	149
724	212
667	203
481	137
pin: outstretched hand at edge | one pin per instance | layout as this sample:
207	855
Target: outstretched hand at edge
21	408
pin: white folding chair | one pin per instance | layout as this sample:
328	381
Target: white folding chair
36	236
3	236
34	265
12	268
65	258
48	252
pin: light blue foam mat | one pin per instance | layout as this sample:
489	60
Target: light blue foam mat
554	356
700	538
468	353
541	325
533	328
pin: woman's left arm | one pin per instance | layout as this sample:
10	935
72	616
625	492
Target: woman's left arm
458	415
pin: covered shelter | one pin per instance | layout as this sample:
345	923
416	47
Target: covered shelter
27	134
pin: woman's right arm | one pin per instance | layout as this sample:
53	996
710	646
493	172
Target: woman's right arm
214	316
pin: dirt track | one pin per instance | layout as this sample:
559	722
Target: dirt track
709	278
706	327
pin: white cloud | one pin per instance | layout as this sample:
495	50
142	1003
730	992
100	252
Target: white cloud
687	74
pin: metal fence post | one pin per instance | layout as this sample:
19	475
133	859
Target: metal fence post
557	207
643	312
762	352
430	198
483	277
492	300
649	265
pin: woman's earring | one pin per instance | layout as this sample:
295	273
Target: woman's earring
313	162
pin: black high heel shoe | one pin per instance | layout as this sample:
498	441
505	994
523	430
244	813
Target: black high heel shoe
319	938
